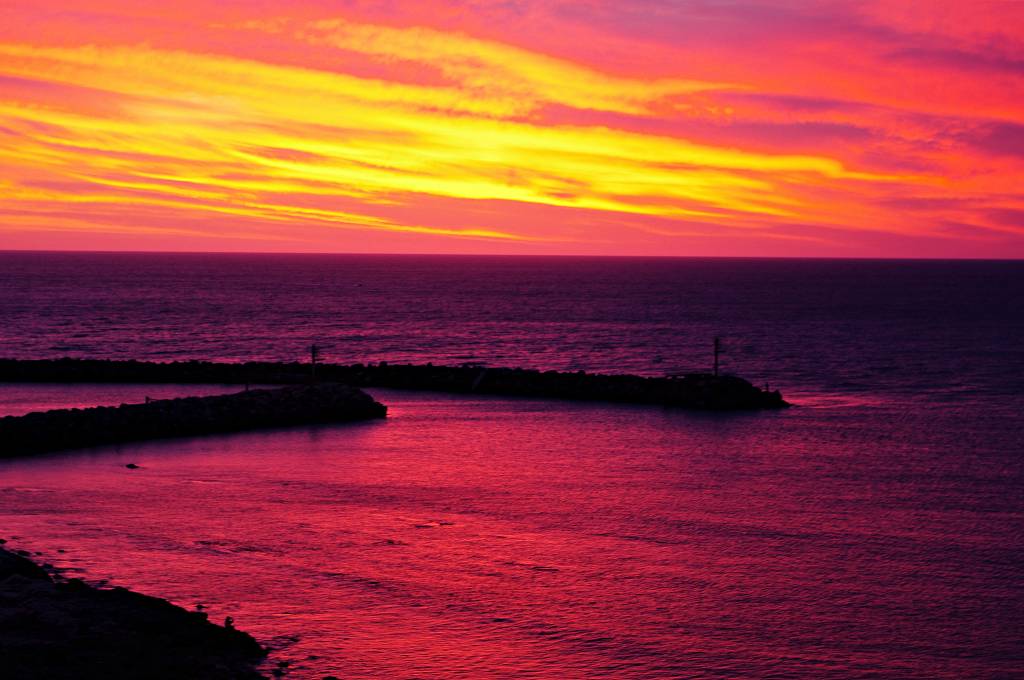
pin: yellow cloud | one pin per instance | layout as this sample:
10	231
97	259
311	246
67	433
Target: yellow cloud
202	132
491	69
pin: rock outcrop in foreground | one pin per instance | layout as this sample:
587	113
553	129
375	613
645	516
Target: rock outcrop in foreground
694	390
250	410
68	630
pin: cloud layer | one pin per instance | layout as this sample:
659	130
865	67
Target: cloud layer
739	128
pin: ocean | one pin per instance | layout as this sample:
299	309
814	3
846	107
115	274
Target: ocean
872	531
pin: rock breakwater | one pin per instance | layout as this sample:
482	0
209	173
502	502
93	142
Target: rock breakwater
694	390
256	409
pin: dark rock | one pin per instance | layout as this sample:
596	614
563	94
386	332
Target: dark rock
61	631
132	466
11	564
695	390
190	416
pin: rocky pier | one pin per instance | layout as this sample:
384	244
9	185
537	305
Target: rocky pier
249	410
694	390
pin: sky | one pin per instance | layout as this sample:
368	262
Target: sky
595	127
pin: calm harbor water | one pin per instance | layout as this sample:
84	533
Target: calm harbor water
875	531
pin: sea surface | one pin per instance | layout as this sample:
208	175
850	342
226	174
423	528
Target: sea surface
875	530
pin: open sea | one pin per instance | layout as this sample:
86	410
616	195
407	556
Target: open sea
875	530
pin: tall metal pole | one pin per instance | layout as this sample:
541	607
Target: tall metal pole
718	347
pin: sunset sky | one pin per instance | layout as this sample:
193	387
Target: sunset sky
649	127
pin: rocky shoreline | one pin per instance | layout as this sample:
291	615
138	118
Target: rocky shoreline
60	429
67	630
701	391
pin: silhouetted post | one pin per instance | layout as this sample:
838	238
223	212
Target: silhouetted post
314	356
718	349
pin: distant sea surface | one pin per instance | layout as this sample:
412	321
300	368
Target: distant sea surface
876	530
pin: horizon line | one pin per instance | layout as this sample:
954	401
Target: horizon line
51	251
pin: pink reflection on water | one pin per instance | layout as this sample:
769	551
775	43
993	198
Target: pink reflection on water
481	538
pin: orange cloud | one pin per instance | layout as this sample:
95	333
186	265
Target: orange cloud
335	132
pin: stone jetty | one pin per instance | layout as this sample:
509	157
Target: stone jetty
250	410
694	390
67	630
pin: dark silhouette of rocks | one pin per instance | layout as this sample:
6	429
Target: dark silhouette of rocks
255	409
12	564
69	630
695	390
